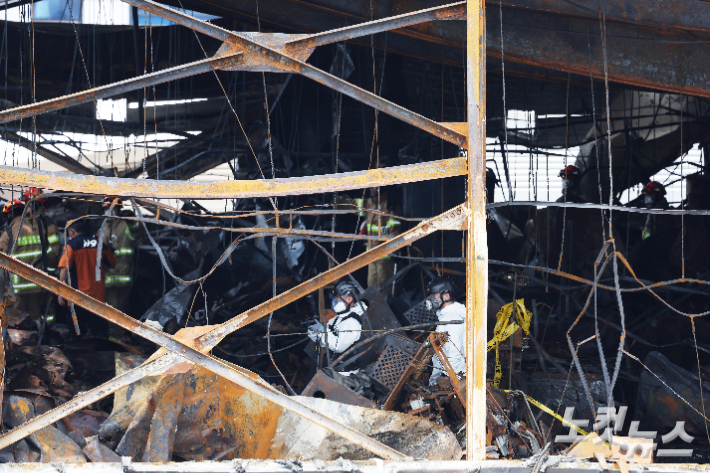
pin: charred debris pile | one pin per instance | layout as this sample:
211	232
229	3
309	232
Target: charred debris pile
543	359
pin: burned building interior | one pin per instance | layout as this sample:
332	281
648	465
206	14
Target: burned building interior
245	230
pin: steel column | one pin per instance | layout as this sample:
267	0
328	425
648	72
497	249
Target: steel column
477	246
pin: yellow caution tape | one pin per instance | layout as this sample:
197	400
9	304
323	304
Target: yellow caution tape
505	327
547	410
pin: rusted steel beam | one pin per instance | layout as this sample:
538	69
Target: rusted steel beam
111	90
664	13
264	52
672	61
232	189
189	353
297	42
476	238
70	164
455	219
149	368
246	52
455	11
176	16
378	103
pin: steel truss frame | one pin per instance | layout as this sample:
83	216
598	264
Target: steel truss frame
272	52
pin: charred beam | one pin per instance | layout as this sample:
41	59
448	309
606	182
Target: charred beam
118	88
665	13
66	162
637	56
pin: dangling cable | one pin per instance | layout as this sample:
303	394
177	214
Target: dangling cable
505	112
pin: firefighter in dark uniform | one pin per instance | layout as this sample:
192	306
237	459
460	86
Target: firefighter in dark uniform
121	237
379	223
49	237
29	248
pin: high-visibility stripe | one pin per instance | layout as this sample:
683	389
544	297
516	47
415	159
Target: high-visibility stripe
35	240
128	232
372	227
19	286
24	287
124	251
32	253
27	254
358	203
118	278
29	240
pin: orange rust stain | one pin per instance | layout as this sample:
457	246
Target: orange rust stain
219	417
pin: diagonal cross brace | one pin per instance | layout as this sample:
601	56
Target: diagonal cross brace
454	219
118	88
189	353
266	52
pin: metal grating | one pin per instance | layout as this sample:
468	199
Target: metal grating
419	314
391	365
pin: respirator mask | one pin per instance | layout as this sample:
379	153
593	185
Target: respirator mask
648	201
432	303
338	305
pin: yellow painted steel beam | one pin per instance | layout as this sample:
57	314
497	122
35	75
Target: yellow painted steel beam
477	245
156	189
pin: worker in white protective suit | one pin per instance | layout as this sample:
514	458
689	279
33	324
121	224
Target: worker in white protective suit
346	328
441	297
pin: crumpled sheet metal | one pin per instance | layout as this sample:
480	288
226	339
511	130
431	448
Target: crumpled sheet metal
39	370
46	445
198	416
325	387
411	435
126	401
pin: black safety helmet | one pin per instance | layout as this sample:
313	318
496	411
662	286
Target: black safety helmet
442	286
344	289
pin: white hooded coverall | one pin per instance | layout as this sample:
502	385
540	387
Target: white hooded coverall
455	348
